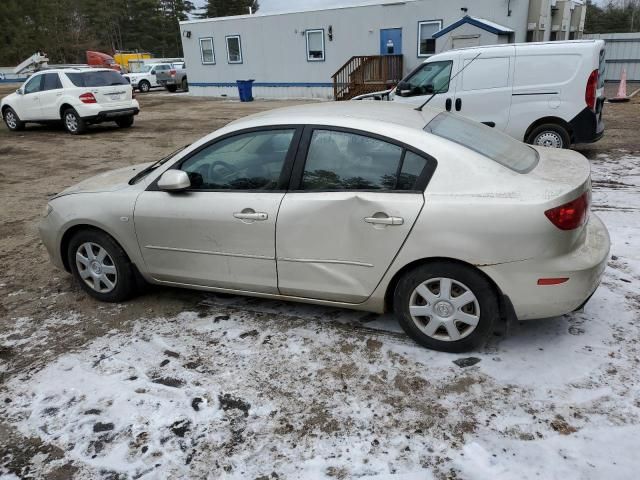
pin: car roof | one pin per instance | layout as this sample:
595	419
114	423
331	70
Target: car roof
74	70
330	113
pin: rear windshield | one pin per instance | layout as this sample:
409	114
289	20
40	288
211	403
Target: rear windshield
96	79
487	141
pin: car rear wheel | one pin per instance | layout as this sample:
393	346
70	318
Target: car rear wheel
100	266
185	85
74	124
12	120
125	122
550	135
172	88
144	86
446	306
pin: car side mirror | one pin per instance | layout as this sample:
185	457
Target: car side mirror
429	89
174	181
403	89
19	91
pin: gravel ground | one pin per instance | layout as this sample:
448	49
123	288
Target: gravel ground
184	384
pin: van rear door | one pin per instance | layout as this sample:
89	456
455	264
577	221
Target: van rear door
484	87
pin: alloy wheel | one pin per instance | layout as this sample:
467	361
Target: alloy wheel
11	119
444	309
549	139
96	267
71	122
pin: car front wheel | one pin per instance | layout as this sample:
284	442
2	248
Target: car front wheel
125	122
12	120
144	86
446	306
73	122
101	267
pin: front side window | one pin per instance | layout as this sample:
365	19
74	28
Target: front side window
430	77
234	49
249	161
348	161
487	141
51	81
33	85
100	78
206	51
426	42
315	45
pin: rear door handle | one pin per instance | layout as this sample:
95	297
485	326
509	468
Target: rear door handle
385	220
447	104
458	104
251	215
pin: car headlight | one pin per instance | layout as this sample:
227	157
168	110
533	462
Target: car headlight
47	210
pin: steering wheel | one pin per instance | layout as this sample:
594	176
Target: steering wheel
228	167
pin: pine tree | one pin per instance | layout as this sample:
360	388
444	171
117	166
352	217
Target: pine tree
226	8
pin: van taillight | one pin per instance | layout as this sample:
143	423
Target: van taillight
571	215
88	98
590	92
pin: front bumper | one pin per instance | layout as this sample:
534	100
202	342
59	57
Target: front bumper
583	266
49	228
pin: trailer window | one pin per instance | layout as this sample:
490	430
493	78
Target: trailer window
426	42
487	141
315	45
99	78
206	51
234	50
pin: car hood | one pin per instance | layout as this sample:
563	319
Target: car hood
9	97
105	182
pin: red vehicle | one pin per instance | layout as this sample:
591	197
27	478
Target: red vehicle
102	60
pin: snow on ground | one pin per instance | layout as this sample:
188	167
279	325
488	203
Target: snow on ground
248	388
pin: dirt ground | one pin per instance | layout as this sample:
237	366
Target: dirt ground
40	161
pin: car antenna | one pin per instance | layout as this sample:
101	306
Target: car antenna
419	109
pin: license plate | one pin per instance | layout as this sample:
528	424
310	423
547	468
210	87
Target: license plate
115	96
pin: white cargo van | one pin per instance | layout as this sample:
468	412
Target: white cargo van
549	94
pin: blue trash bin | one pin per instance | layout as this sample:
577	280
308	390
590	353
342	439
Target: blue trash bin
245	90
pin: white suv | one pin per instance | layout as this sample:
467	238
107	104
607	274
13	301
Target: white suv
77	96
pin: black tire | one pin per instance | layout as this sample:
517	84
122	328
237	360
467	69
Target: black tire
125	122
185	85
144	86
124	278
171	88
12	120
484	306
550	135
73	122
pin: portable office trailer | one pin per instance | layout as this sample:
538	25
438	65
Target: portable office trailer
295	55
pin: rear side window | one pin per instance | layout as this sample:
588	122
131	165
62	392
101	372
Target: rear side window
487	141
51	81
348	161
96	79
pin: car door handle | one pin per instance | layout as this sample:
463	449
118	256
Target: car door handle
458	104
251	215
447	104
385	220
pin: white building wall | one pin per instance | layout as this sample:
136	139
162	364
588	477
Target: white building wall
274	46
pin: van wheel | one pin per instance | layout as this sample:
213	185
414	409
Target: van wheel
446	306
549	135
74	124
12	120
144	86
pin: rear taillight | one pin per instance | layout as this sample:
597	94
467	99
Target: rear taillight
590	93
88	98
172	73
571	215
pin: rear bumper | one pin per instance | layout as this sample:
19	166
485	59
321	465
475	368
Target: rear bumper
170	81
583	266
588	126
109	115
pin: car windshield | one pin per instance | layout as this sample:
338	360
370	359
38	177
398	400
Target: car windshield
146	68
434	74
487	141
146	171
100	78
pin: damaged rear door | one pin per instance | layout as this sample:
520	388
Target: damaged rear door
353	200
